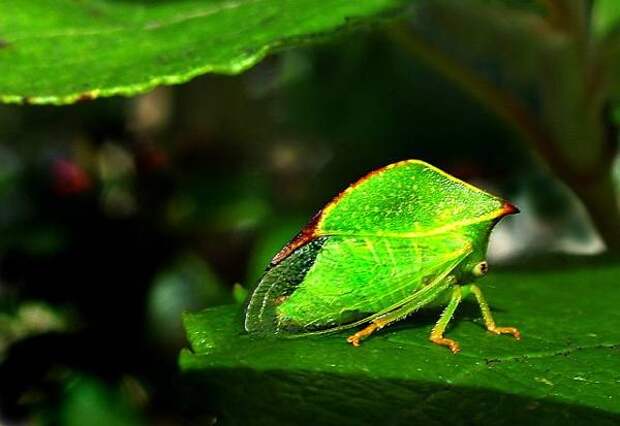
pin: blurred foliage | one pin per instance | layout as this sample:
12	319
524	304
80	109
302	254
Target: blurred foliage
118	215
88	398
28	319
187	285
565	369
605	17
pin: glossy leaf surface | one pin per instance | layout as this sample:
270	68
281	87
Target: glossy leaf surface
565	370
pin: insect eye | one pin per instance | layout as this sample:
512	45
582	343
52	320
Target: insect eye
481	269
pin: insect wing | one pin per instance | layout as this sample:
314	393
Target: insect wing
278	281
340	280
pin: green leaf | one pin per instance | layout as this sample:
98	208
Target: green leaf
60	51
605	17
89	401
565	370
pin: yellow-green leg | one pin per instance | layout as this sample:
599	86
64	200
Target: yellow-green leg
489	322
421	299
440	327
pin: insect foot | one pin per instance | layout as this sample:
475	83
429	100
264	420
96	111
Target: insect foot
442	341
506	330
356	338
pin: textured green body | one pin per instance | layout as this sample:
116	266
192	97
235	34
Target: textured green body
377	244
376	273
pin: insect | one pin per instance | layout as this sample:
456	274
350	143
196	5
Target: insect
404	236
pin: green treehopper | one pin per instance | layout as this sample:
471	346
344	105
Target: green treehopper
403	237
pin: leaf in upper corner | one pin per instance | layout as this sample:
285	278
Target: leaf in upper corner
62	51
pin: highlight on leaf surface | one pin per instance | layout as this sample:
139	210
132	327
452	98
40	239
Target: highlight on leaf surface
402	237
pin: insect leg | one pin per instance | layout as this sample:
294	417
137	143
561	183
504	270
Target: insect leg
489	322
427	295
379	323
409	304
440	327
365	332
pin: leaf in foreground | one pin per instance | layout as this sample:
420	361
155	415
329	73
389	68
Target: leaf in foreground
63	51
566	370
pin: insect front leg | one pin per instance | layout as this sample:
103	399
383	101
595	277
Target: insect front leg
440	327
489	322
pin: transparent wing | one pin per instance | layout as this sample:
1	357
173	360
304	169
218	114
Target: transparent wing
277	282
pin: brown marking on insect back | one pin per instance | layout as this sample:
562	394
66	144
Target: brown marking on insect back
307	234
4	43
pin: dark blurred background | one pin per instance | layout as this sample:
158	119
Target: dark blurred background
119	214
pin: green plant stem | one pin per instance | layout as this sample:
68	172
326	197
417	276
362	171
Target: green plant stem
568	15
600	200
501	103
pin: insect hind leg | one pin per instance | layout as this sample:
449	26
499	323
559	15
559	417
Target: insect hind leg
375	325
395	315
